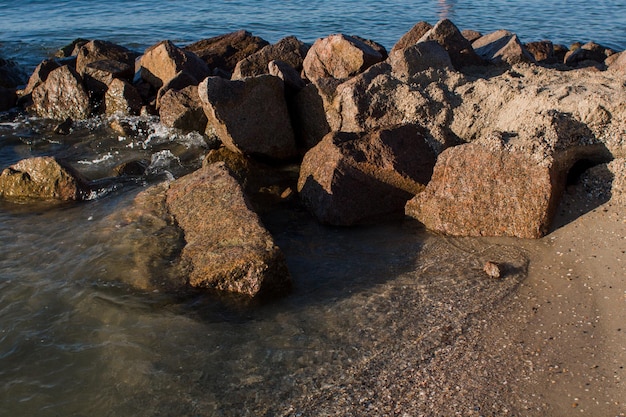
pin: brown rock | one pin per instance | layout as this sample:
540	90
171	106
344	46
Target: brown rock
40	75
407	62
459	48
249	116
99	74
122	98
71	49
62	96
502	47
41	178
97	50
287	73
227	248
412	36
492	269
471	35
163	61
351	178
618	64
224	51
339	56
180	81
182	109
288	50
314	110
542	51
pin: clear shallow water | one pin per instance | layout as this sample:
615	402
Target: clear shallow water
76	339
29	30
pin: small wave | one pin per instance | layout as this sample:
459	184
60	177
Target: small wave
103	158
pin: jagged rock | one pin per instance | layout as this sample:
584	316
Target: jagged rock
458	47
122	98
351	178
542	51
590	51
224	51
180	81
163	61
412	36
471	35
339	56
407	62
41	178
287	73
289	50
618	64
8	98
249	116
98	50
62	96
182	109
98	75
502	47
227	248
40	74
71	49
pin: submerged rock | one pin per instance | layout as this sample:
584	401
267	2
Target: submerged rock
42	178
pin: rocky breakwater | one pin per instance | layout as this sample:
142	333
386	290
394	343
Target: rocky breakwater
470	134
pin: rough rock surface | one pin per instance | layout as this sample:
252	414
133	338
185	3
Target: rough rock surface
284	71
542	51
351	178
41	178
412	36
339	56
40	74
122	98
619	64
500	47
98	75
62	96
249	116
224	51
163	61
289	50
183	110
226	246
98	50
459	48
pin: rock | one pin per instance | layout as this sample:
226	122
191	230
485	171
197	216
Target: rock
412	36
71	49
122	98
180	81
288	50
618	64
134	168
339	56
471	35
164	61
502	47
542	51
40	75
249	116
407	62
590	51
225	51
8	98
314	111
98	75
460	50
11	74
374	45
227	248
284	71
182	109
98	50
351	178
41	178
62	96
492	269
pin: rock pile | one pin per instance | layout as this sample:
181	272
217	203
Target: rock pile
495	122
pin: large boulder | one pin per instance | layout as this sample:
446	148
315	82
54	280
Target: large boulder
122	98
249	116
226	246
42	178
163	61
502	47
412	36
182	109
351	178
450	37
224	51
289	50
339	56
61	96
98	75
410	61
98	50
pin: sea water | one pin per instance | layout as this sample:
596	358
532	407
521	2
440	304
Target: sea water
77	340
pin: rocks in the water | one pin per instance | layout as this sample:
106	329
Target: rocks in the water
351	178
42	178
500	47
289	50
98	75
40	74
163	61
122	98
459	48
182	109
97	50
62	95
249	116
409	61
339	56
222	53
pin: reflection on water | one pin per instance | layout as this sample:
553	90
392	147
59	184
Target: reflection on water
446	9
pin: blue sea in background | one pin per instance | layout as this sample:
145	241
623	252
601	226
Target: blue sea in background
31	29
